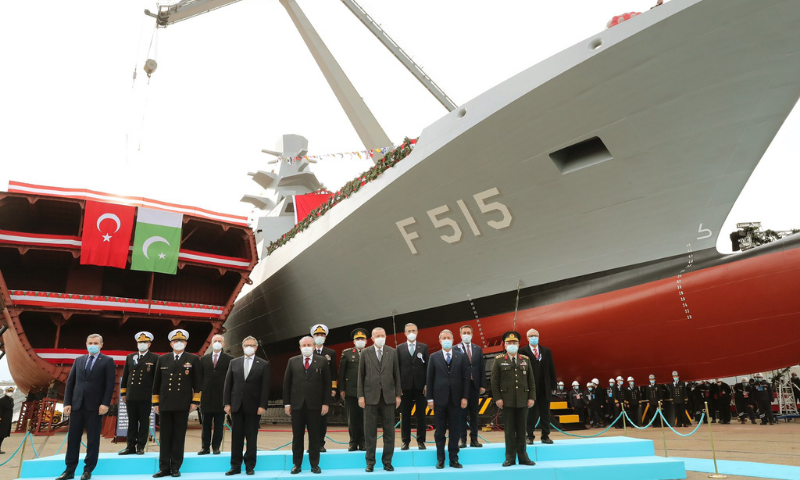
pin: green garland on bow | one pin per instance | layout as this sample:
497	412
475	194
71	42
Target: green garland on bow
351	187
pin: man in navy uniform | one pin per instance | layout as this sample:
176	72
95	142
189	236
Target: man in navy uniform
413	359
679	394
214	368
320	333
477	386
176	392
544	374
86	399
653	392
136	392
348	389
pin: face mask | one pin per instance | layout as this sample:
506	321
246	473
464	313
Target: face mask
411	337
652	382
217	346
178	346
512	349
533	340
610	384
307	351
319	340
560	387
142	347
93	349
380	342
466	338
249	351
447	344
575	387
591	388
676	378
361	344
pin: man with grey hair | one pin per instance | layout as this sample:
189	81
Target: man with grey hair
87	397
214	367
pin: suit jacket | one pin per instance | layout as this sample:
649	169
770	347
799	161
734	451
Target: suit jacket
93	389
330	356
137	377
348	372
177	385
544	370
311	388
378	379
477	367
213	381
448	384
248	394
413	369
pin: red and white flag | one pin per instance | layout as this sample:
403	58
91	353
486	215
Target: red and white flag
107	230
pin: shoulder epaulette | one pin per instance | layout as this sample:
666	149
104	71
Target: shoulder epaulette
500	355
523	356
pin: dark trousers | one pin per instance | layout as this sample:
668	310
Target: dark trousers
765	412
138	423
384	411
472	412
173	438
725	410
514	426
593	411
245	427
682	418
540	412
80	420
355	422
409	399
217	418
617	412
305	419
650	410
633	414
444	416
323	429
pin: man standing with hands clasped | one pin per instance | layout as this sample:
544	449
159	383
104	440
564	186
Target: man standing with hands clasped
215	367
477	380
544	374
246	396
320	333
413	359
136	392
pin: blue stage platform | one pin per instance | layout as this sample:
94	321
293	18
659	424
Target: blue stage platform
615	458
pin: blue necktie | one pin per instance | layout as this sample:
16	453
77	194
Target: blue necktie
448	358
89	363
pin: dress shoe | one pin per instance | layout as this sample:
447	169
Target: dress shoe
66	476
217	451
352	448
233	471
362	448
252	471
421	445
316	469
388	467
547	440
529	441
439	465
127	451
322	450
176	473
296	470
139	450
475	444
2	452
462	444
404	446
86	475
158	474
369	468
204	451
456	465
527	461
508	463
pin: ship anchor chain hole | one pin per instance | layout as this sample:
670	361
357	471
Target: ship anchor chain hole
462	112
595	43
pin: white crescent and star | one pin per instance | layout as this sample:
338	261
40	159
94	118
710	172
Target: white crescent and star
152	240
108	216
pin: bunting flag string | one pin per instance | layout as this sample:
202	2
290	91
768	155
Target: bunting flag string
360	154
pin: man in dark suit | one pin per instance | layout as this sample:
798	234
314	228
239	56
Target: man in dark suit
87	396
448	387
320	333
477	386
348	389
246	397
176	392
306	398
412	357
214	368
379	396
136	392
544	373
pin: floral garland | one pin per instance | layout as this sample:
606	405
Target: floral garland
350	188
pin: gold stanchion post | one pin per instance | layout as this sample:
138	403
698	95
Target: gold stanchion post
624	424
713	451
22	453
663	434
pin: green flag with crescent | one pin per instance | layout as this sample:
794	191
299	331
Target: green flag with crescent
156	241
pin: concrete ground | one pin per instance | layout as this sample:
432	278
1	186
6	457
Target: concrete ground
778	444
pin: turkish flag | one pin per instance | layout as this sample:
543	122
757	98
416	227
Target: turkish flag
107	230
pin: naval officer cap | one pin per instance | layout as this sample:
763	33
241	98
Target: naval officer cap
178	334
359	333
319	328
652	377
675	373
511	336
144	337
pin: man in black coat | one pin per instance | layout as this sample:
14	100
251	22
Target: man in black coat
724	402
6	414
679	395
652	394
448	388
306	398
413	358
477	386
136	392
348	389
214	368
86	399
176	392
246	397
544	373
320	333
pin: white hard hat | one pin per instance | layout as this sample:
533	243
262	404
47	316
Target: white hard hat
576	384
595	381
619	377
630	379
590	384
561	383
611	380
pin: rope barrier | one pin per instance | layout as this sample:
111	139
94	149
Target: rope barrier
33	447
64	442
17	450
637	426
588	436
682	434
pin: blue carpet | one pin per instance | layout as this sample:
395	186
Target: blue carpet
743	469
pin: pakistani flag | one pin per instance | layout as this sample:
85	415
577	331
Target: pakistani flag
157	241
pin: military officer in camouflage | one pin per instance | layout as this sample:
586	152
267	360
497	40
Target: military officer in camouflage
348	387
176	392
514	391
136	392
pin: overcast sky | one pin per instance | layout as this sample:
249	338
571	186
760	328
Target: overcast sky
231	82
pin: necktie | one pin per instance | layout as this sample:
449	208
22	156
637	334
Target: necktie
215	359
536	352
411	348
247	361
468	348
380	354
514	362
308	361
177	357
448	358
89	363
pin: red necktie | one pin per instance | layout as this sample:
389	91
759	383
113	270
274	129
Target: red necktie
307	362
215	360
536	352
468	348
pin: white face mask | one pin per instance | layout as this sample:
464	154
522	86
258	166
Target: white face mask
380	341
306	351
361	344
411	336
217	346
178	346
319	340
466	338
249	351
143	346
